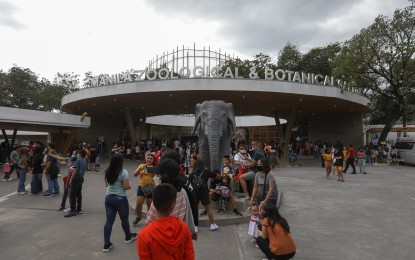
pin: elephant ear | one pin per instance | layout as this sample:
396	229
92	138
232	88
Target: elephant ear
197	117
230	118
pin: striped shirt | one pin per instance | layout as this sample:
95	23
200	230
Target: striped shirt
179	210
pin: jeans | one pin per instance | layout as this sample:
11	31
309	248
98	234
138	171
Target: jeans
22	179
64	197
76	193
362	163
263	244
271	201
53	184
114	204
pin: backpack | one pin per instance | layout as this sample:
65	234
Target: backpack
198	183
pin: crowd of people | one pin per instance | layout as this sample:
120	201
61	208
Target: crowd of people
182	174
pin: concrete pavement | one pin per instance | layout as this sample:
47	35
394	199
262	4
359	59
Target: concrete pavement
367	217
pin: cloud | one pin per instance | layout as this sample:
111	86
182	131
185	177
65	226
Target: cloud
263	26
6	16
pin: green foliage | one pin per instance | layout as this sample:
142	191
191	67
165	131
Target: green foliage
22	88
289	57
320	60
380	59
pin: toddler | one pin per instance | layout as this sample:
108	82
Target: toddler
252	230
6	170
227	167
224	192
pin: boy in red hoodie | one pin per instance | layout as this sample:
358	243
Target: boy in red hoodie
167	237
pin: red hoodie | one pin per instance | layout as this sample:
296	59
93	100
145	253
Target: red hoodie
164	239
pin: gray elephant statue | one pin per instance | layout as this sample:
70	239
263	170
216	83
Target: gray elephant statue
215	120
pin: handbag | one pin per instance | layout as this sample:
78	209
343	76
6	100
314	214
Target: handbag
148	189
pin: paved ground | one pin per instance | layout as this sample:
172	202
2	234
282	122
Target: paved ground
367	217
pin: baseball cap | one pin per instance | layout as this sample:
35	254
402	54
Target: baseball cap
166	166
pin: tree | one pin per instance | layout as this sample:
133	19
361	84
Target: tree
380	59
19	88
320	60
289	57
22	88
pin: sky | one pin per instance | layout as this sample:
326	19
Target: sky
51	36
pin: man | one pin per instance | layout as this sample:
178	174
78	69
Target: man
258	154
14	159
350	159
51	163
75	185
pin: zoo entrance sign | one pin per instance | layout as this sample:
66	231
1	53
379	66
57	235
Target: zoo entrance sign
215	72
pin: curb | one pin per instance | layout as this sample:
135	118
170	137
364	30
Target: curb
221	220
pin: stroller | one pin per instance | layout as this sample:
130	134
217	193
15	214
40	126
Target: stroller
293	158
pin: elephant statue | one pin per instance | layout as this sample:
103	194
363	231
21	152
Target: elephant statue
215	120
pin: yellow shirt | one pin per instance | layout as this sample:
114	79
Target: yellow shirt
327	157
145	177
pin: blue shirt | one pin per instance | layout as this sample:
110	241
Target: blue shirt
117	188
80	165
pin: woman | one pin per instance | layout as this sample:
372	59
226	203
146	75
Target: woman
37	161
116	180
22	168
275	239
265	187
168	168
145	186
328	162
201	191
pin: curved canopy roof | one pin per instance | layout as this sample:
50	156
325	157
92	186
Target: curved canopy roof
179	96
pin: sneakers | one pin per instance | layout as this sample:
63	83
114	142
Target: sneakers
70	214
79	212
213	227
204	213
353	173
21	193
136	220
48	195
61	208
236	212
131	238
108	247
56	192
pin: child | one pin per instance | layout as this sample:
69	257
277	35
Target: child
166	237
252	230
225	193
6	170
70	164
97	163
328	159
227	167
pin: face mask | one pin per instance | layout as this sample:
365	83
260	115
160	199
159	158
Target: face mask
242	151
260	168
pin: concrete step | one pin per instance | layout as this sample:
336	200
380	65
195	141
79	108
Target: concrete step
220	219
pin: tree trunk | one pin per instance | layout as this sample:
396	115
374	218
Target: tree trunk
385	132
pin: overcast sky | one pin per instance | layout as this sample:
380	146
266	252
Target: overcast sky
50	36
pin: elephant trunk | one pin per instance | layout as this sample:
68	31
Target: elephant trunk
214	152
